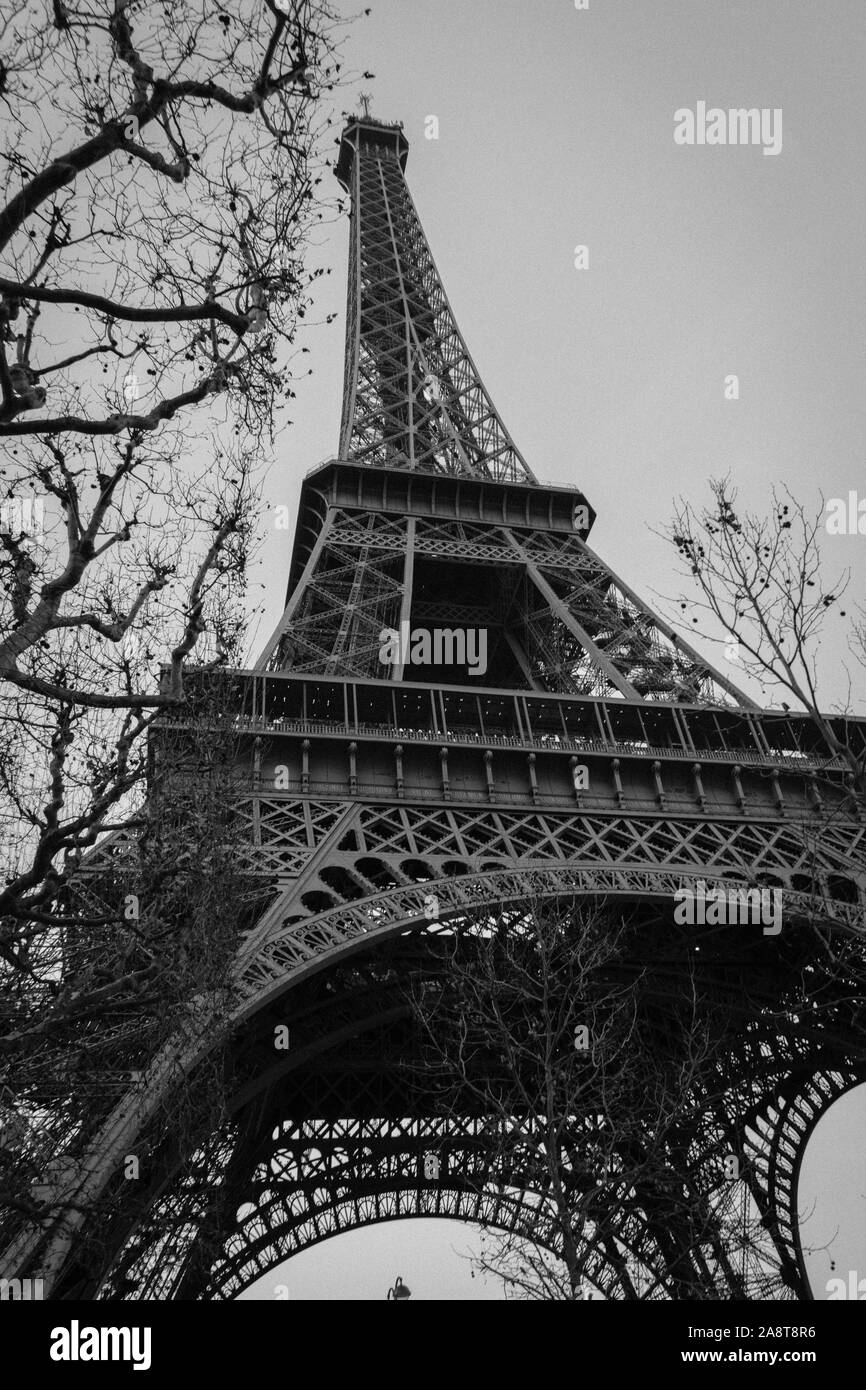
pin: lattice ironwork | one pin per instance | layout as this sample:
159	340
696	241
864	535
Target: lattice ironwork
337	1136
413	398
413	401
364	789
564	621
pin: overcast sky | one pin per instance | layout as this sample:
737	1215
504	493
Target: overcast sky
556	130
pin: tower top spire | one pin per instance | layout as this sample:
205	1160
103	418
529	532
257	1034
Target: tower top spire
366	130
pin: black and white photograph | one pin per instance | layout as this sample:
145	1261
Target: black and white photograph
432	673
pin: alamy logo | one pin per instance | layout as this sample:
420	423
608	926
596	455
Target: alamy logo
854	1290
21	1290
22	516
846	519
738	126
438	646
76	1343
700	906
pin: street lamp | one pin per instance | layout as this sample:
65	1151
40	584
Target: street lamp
400	1290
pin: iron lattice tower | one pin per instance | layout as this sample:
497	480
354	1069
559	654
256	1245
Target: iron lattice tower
365	785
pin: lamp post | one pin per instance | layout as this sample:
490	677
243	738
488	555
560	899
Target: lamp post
400	1290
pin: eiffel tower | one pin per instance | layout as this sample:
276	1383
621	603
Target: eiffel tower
592	754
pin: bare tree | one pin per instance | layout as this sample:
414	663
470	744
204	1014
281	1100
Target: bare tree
140	930
160	167
759	579
159	173
595	1070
